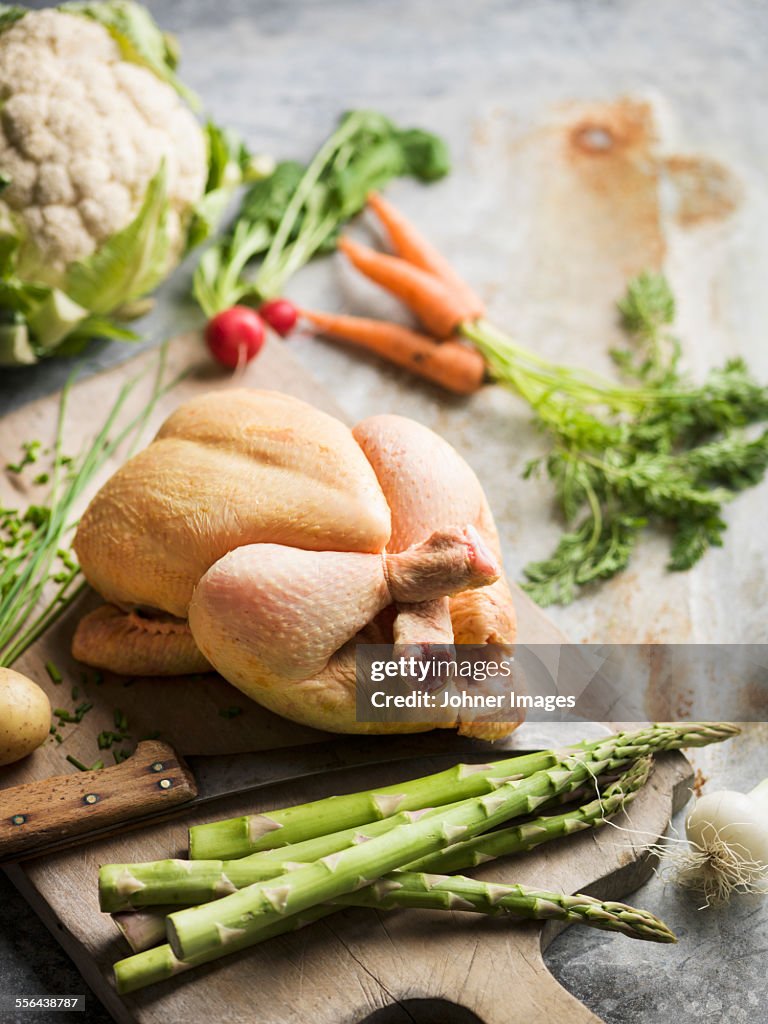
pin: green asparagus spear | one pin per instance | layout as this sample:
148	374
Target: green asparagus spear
160	963
144	928
454	892
432	892
157	964
530	834
238	837
242	917
124	886
250	833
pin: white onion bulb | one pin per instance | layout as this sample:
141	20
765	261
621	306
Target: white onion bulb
728	833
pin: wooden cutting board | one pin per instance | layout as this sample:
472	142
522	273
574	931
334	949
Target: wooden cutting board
399	966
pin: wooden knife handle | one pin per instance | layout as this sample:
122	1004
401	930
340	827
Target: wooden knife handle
38	813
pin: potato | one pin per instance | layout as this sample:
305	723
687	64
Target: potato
25	716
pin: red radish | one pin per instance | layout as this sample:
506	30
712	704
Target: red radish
280	314
235	335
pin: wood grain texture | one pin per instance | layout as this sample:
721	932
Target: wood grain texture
48	810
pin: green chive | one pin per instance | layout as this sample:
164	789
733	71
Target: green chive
53	672
30	541
82	710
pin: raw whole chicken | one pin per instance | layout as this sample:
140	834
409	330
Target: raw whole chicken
262	537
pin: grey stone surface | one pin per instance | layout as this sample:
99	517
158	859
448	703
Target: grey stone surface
281	72
33	963
716	972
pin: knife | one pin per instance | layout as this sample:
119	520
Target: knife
156	782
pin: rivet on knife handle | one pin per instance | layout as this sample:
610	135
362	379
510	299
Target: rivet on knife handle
69	805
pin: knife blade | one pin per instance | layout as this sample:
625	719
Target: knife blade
156	783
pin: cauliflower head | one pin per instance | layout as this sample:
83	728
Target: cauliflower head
82	133
106	175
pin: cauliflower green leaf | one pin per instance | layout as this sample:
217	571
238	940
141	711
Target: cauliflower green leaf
9	13
131	263
138	36
36	319
230	164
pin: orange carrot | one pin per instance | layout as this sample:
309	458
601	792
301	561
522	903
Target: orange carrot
451	365
411	245
434	304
